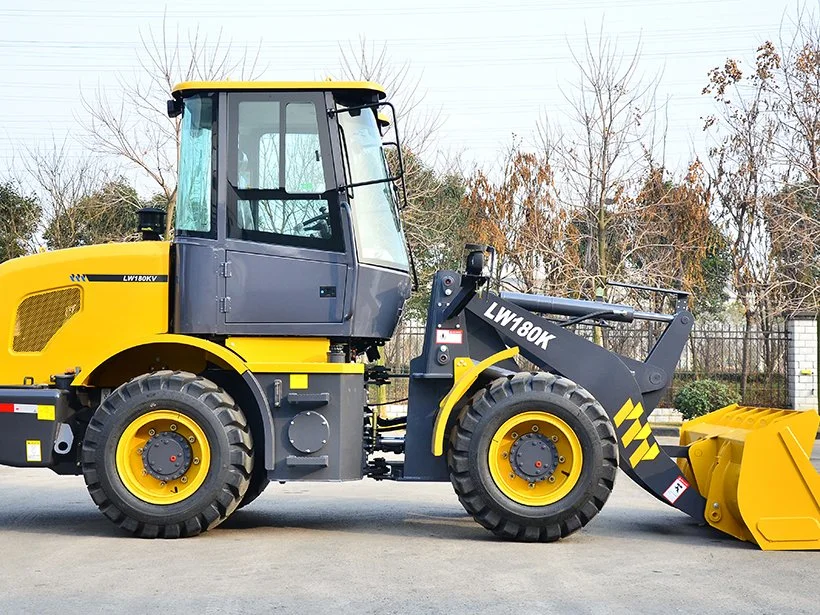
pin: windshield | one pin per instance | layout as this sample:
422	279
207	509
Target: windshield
379	237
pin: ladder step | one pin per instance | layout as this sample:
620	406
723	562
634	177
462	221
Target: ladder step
309	400
320	461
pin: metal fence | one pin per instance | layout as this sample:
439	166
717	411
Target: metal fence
714	351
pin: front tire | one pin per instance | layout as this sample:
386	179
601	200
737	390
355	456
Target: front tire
533	457
258	483
167	455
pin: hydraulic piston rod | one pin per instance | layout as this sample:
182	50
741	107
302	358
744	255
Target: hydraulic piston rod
545	304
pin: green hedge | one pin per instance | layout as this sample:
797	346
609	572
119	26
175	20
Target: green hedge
703	396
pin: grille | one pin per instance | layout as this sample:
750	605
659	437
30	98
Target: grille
39	317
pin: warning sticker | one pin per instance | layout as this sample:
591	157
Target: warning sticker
449	336
676	490
33	452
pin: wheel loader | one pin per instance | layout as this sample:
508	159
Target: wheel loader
180	377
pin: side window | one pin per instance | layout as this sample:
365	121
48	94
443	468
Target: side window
257	158
279	182
193	208
304	172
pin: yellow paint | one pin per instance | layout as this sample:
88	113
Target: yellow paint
637	431
628	411
752	465
645	451
298	381
540	493
280	349
307	355
307	368
190	87
463	378
45	413
212	351
130	465
631	433
112	316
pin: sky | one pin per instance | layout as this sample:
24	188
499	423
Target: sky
491	68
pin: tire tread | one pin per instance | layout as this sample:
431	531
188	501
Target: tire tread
482	403
228	414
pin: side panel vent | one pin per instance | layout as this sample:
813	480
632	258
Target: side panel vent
39	317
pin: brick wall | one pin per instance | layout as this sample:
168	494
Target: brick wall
802	361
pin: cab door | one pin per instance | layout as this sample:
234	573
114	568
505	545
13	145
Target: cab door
286	257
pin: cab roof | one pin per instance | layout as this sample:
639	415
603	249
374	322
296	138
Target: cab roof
190	87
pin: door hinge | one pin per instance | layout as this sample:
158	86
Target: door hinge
224	304
226	269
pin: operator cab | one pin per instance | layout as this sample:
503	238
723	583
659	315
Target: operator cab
287	216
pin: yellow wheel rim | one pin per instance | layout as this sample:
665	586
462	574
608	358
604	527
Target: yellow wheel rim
136	473
542	428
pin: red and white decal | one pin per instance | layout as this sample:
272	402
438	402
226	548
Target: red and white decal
449	336
19	408
676	490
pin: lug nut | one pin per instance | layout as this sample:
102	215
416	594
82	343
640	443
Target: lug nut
512	474
191	439
196	461
504	455
561	459
551	479
152	431
514	434
184	479
139	451
555	438
535	427
162	483
173	427
531	485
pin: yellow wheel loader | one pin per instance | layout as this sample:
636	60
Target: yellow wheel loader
179	377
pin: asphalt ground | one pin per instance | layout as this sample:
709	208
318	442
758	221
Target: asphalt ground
368	547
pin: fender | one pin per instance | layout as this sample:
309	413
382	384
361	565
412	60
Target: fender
221	356
464	376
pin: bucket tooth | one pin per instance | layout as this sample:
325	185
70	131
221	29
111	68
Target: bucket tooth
753	467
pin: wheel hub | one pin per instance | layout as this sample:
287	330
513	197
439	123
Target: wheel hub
533	457
166	456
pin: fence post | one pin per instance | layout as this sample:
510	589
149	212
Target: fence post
802	361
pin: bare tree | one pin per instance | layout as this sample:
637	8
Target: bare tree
603	152
520	215
741	179
790	73
62	181
434	222
134	126
363	60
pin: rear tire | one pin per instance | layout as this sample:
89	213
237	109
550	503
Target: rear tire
167	455
548	499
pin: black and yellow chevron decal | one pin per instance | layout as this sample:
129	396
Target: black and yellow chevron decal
636	432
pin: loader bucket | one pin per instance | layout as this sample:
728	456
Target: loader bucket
753	467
